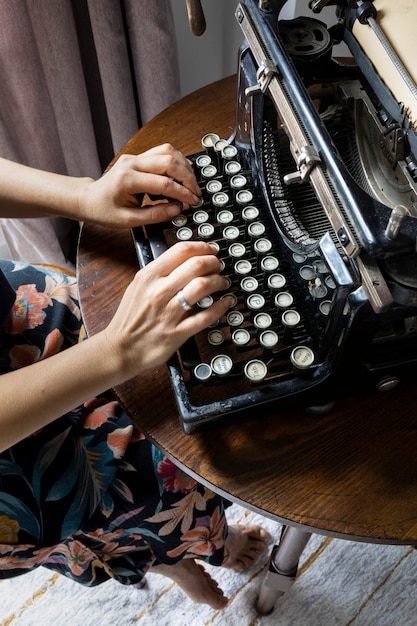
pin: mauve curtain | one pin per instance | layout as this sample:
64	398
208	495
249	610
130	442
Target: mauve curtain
77	79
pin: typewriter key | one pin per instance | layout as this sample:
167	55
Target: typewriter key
229	152
224	216
235	318
302	357
269	264
202	372
209	171
199	217
255	301
232	167
325	307
307	272
230	233
222	365
220	145
202	160
255	370
184	234
237	250
206	230
262	245
268	339
241	337
220	199
290	318
213	186
179	221
232	298
238	181
209	140
215	337
276	281
243	267
249	284
250	213
256	229
284	300
206	302
262	321
243	197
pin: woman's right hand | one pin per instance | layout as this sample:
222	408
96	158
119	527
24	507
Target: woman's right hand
150	323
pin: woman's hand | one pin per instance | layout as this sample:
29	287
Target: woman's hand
162	171
150	323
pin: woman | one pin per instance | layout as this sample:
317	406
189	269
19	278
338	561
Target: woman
81	490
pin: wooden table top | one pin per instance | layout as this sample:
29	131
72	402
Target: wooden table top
351	474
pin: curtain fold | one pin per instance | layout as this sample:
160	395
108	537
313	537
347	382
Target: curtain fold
77	79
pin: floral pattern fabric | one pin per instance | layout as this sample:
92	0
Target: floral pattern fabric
88	495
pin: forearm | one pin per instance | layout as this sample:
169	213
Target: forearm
36	395
26	192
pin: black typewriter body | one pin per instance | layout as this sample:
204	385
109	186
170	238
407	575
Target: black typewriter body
312	204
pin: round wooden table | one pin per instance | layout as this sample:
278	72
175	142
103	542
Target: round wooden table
350	474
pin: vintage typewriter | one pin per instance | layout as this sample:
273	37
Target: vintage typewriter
312	204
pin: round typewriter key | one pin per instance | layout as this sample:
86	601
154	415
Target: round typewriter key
214	245
213	186
302	357
232	298
330	282
290	318
262	321
268	339
202	160
230	233
209	171
206	230
203	372
184	234
209	140
299	258
224	216
237	250
215	337
229	152
284	300
276	281
241	337
198	205
250	213
206	302
320	266
232	167
262	245
243	267
179	221
307	272
325	307
249	284
244	196
256	229
255	301
255	370
222	365
220	145
199	217
235	318
220	199
238	181
269	264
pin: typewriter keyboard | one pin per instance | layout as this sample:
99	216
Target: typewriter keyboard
282	298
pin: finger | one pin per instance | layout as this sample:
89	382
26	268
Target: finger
190	325
172	260
199	292
186	191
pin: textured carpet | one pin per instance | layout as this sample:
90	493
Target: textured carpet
339	583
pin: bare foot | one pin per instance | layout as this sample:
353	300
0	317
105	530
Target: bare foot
244	545
194	581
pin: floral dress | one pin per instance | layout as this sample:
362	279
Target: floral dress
88	495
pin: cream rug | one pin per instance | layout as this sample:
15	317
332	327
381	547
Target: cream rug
339	583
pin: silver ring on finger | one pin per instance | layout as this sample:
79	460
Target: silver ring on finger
183	302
